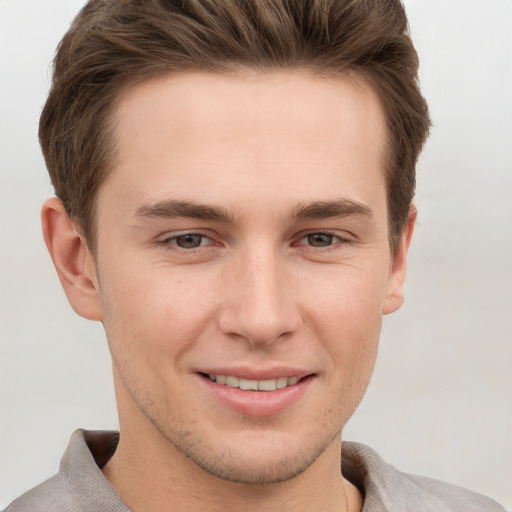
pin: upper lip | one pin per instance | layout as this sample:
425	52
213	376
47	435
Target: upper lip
257	373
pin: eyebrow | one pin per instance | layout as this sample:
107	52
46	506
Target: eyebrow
303	211
326	209
171	208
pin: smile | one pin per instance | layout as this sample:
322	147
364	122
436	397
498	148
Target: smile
254	385
257	397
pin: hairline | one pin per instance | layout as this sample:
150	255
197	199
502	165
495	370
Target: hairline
88	227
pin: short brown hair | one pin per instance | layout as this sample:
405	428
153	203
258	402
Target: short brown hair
113	44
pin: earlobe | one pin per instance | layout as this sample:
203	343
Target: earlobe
395	296
72	260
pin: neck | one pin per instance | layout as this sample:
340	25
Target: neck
152	476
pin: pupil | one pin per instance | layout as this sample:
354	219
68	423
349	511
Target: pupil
189	241
320	239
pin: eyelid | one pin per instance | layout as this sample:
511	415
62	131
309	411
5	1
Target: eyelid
319	232
339	241
166	240
345	236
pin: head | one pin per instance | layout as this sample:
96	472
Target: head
113	45
235	174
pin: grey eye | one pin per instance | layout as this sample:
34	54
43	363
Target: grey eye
320	239
189	241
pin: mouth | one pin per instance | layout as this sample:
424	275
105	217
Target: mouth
252	384
255	397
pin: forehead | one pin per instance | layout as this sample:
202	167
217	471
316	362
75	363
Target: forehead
273	132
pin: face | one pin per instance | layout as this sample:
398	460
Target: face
243	266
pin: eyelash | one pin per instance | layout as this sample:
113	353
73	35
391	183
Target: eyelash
335	243
170	243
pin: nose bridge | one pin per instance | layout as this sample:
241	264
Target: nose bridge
259	305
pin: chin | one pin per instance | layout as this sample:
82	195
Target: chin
264	463
229	467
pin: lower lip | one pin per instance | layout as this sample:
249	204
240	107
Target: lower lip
258	403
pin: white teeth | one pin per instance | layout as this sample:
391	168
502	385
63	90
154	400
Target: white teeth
232	382
254	385
281	382
267	385
248	384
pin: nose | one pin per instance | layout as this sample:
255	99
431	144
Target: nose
259	303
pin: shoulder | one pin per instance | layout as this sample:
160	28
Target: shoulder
53	494
387	489
455	497
79	485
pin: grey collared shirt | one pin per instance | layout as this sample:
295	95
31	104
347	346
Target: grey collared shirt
80	486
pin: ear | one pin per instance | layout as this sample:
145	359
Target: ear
395	296
72	259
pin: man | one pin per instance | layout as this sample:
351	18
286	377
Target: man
234	188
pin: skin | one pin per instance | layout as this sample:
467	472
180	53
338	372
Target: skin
292	273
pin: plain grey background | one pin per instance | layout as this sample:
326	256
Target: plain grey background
440	402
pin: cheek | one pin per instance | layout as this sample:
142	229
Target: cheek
352	341
153	313
348	313
349	297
